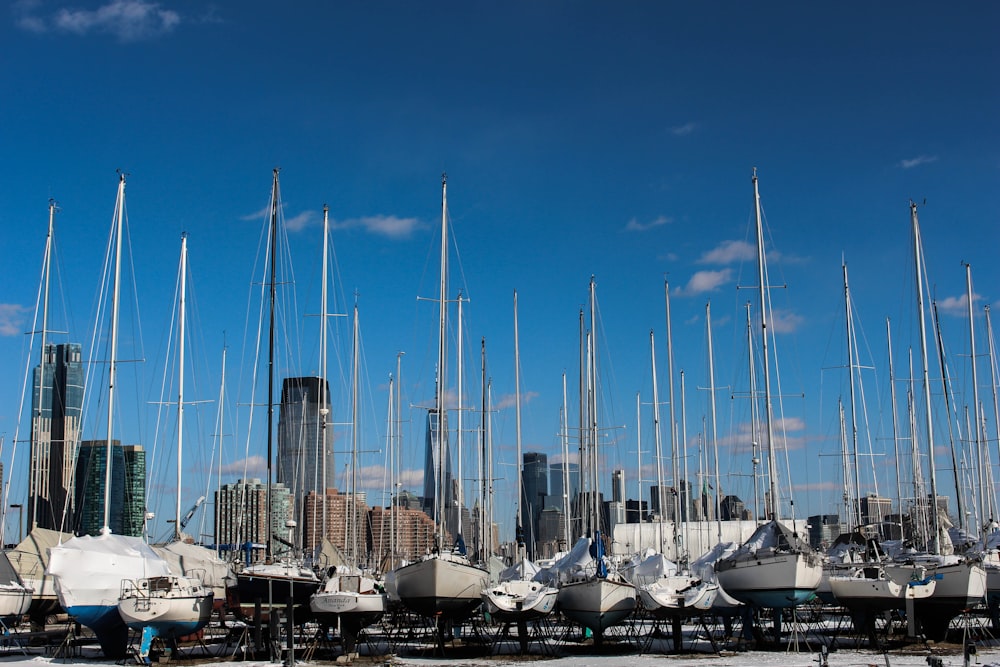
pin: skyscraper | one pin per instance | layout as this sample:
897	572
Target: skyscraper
434	459
241	515
536	489
56	408
556	471
305	438
128	488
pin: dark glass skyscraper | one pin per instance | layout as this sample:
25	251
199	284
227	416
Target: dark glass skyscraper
434	459
56	409
305	438
128	488
536	487
555	498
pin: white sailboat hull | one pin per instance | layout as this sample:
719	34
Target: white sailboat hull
442	586
770	580
960	586
597	603
681	594
171	606
519	600
875	588
15	600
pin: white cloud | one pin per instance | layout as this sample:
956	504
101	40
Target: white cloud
299	222
705	281
917	161
634	225
11	319
684	130
784	321
389	226
252	466
742	440
729	252
957	306
127	20
508	401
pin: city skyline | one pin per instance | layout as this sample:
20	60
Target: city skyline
580	140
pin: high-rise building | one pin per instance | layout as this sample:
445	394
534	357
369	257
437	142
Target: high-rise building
534	477
875	509
127	508
618	486
556	485
305	438
56	409
346	523
408	533
437	464
241	517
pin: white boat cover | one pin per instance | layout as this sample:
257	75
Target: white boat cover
704	566
572	565
89	570
192	560
525	570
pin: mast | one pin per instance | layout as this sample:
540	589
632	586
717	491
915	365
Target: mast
657	447
980	458
685	492
856	509
519	525
895	424
715	437
180	382
762	287
996	403
37	421
324	411
460	353
270	357
565	471
439	388
928	421
113	357
674	458
754	418
483	474
352	515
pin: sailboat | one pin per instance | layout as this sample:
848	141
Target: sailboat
774	568
171	606
349	595
961	582
590	593
518	597
273	584
443	585
88	571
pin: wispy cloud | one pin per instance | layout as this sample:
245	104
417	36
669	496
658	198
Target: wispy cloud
785	321
684	130
705	281
127	20
634	225
917	161
742	440
729	252
376	477
301	221
252	466
957	306
509	401
818	486
389	226
12	319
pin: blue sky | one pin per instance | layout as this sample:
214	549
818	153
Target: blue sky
606	139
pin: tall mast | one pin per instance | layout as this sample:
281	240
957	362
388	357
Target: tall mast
928	421
565	471
270	356
519	525
439	389
324	412
674	456
856	506
980	454
352	515
459	354
657	447
895	424
113	357
715	437
996	403
180	381
762	287
483	474
37	417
